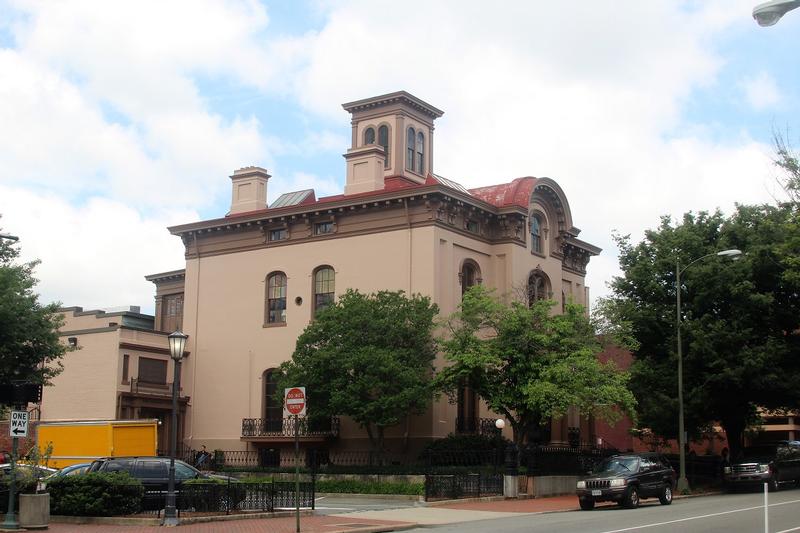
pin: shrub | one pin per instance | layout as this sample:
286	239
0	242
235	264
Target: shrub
466	443
96	494
355	486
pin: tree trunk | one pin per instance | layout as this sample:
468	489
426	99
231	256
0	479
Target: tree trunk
734	430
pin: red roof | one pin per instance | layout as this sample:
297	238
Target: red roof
518	192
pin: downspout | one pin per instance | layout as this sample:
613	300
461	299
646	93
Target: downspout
196	331
410	263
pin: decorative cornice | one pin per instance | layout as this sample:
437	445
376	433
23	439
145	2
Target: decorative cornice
391	98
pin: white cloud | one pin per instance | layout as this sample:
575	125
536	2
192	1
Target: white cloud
94	254
107	102
761	91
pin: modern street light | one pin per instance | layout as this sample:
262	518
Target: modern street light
683	483
177	343
769	13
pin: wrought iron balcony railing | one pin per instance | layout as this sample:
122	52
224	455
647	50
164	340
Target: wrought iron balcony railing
475	425
261	427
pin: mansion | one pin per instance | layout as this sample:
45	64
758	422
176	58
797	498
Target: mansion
255	277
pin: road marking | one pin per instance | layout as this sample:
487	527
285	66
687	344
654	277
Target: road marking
703	516
788	530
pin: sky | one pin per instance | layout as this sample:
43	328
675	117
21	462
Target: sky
119	119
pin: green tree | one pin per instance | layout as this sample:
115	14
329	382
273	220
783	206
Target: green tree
739	319
369	357
29	346
529	364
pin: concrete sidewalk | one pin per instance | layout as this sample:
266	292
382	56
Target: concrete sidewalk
356	521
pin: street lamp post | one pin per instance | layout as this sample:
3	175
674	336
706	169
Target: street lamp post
177	343
683	483
769	13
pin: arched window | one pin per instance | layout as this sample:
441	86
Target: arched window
324	288
383	140
536	234
276	298
470	275
273	410
369	136
537	287
420	153
410	143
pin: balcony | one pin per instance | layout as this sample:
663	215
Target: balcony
152	389
476	426
266	430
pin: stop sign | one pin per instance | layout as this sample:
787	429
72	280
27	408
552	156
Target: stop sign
294	400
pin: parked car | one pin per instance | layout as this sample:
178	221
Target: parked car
72	470
627	479
773	464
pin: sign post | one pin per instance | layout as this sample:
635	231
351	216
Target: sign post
17	427
294	404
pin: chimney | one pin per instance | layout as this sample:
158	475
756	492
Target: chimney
364	169
249	190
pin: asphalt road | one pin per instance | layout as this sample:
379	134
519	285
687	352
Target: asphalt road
729	513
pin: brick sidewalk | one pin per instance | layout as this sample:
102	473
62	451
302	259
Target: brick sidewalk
308	524
354	522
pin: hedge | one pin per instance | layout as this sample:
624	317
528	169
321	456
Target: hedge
95	494
355	486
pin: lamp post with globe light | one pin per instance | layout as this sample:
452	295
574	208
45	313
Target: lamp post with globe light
683	483
177	344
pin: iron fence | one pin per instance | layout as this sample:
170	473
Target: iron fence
285	427
563	460
455	486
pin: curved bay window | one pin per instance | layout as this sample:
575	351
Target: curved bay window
276	298
470	275
536	234
537	287
324	288
273	410
369	136
383	140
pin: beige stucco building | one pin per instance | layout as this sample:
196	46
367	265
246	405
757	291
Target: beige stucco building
254	278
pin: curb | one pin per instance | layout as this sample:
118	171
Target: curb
379	529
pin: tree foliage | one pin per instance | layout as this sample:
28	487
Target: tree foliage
369	357
529	364
739	319
29	346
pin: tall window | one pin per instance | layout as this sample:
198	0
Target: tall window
536	234
276	298
273	410
369	136
172	312
470	275
383	140
324	287
420	153
410	143
537	287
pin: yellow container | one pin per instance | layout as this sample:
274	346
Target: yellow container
82	441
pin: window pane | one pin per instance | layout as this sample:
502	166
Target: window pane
410	148
321	228
276	299
536	239
420	153
324	288
273	410
383	140
278	234
152	470
369	136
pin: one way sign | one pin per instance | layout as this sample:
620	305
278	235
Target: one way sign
19	424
